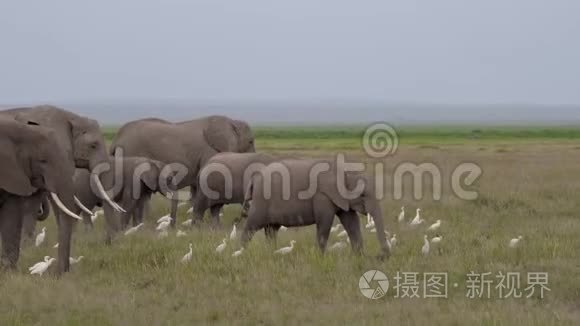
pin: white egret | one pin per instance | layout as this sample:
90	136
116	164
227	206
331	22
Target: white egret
401	217
40	268
370	222
187	257
515	241
46	258
436	239
342	234
181	233
283	228
55	246
163	225
233	233
40	237
335	228
164	219
188	222
393	240
133	229
73	261
425	249
434	226
285	250
222	246
237	253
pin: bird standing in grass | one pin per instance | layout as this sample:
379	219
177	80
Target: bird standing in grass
133	229
434	226
417	220
238	253
335	228
187	257
222	246
234	233
188	223
393	240
163	225
370	222
342	234
41	267
425	248
74	261
285	250
283	228
515	242
437	239
165	218
181	233
40	237
401	217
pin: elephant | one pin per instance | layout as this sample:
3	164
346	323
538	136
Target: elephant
83	144
300	192
215	192
132	196
31	160
190	144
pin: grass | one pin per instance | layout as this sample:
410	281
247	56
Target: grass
529	187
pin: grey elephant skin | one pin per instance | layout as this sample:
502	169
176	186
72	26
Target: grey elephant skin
272	206
31	160
215	192
140	178
190	143
83	144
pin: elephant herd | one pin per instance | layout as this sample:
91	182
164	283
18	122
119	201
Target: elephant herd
50	155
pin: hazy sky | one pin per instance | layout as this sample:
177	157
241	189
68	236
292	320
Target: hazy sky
444	51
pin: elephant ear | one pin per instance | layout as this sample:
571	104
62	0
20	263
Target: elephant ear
220	135
330	189
151	176
13	179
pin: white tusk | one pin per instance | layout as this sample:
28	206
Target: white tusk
83	207
105	196
63	207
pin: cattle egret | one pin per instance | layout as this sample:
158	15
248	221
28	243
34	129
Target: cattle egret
40	268
165	218
188	222
342	234
133	229
436	239
515	241
40	237
187	257
237	253
401	217
163	225
233	233
338	246
181	204
434	226
283	228
181	233
393	240
417	216
55	246
222	246
46	258
73	261
335	228
190	210
370	222
425	249
285	250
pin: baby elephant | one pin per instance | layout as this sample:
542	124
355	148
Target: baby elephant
223	180
305	192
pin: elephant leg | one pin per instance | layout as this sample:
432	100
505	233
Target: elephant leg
139	212
29	226
10	231
324	211
111	221
65	229
200	205
173	213
351	223
215	215
271	232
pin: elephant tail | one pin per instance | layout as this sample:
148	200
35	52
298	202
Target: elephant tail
247	201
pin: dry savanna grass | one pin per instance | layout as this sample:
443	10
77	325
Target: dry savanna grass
526	189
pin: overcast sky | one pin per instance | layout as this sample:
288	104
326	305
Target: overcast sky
444	51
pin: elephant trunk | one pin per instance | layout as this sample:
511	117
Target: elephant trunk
44	209
377	215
